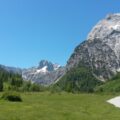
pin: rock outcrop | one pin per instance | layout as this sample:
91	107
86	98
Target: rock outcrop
101	50
46	73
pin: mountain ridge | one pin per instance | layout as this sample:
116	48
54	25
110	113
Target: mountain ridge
45	73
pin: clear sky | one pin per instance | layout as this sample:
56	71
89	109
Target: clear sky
31	30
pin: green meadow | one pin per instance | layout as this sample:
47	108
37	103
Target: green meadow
64	106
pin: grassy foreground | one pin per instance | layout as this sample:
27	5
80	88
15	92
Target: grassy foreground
46	106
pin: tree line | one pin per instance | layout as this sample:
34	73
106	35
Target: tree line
15	82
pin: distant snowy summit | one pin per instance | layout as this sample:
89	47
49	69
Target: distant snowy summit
45	73
46	66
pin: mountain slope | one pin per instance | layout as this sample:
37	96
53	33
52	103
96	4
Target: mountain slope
95	60
101	50
12	69
78	79
110	86
9	79
46	73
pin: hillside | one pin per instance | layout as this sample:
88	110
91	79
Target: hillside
45	73
78	79
96	60
100	51
111	86
10	81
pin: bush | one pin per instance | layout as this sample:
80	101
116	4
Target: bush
1	85
55	89
12	96
36	87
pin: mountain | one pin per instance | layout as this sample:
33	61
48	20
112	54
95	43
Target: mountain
44	64
12	69
95	61
101	50
46	73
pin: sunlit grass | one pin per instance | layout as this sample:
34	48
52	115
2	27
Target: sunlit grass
46	106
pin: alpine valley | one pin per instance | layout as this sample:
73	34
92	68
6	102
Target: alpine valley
94	62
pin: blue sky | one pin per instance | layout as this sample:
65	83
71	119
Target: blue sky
31	30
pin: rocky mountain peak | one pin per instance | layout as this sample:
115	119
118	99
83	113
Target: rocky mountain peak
46	73
101	50
105	27
44	64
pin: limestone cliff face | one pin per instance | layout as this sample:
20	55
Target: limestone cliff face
46	73
101	50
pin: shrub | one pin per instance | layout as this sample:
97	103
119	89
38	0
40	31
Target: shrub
1	85
36	87
55	89
12	96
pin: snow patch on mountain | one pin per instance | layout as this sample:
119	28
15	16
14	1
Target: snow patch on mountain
42	70
45	73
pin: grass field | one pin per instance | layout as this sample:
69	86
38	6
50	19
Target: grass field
46	106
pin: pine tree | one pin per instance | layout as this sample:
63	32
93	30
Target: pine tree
1	85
